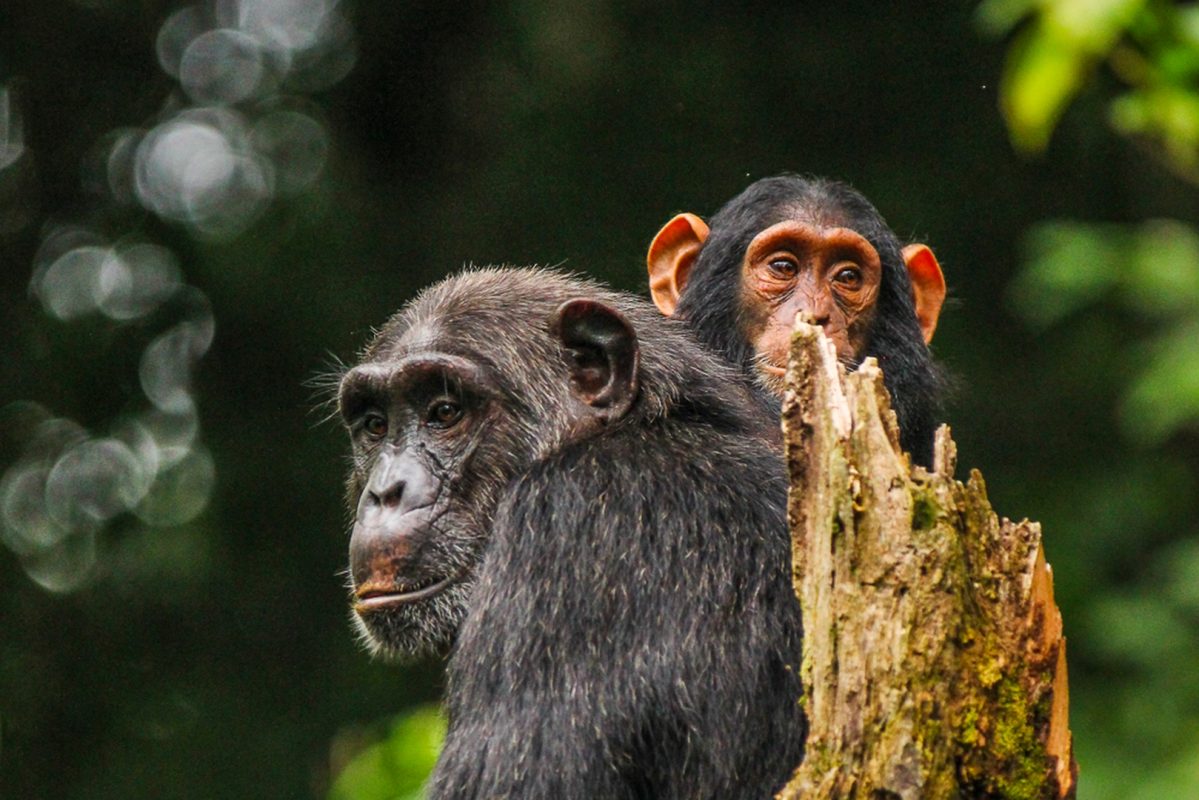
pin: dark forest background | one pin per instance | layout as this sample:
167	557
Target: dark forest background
204	206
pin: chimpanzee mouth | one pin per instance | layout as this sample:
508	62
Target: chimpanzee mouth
377	599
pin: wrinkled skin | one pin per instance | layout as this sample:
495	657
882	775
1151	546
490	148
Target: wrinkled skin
789	245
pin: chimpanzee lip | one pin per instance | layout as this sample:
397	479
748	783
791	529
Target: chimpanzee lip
771	369
377	600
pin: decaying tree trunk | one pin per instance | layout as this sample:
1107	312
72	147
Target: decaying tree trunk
934	664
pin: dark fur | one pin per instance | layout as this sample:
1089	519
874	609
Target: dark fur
632	631
710	299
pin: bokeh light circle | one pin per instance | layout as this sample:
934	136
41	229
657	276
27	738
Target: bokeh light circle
297	146
181	491
176	34
27	525
94	481
136	279
70	286
222	67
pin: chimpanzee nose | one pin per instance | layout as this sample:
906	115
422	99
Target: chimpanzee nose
399	483
387	541
390	497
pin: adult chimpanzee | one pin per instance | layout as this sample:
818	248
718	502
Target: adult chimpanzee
788	244
580	479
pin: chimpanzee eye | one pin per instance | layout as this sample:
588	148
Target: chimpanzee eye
782	268
375	425
849	277
444	414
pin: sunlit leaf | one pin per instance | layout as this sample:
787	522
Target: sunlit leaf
1043	73
1187	23
1174	111
1153	269
395	768
1176	114
1093	25
1048	62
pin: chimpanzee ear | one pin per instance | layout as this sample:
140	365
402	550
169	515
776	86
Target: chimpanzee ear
928	286
600	348
671	254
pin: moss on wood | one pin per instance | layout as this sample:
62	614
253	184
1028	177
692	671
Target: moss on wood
934	663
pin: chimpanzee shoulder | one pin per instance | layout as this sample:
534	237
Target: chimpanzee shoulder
577	493
659	594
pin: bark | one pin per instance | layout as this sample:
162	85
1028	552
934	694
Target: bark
934	664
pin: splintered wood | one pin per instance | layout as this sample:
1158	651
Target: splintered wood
934	664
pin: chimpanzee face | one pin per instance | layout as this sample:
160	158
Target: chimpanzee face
832	275
417	424
450	404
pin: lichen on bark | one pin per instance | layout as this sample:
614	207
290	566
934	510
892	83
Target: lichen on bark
934	662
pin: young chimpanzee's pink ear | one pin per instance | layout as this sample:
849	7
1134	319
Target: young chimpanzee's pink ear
601	353
671	255
928	286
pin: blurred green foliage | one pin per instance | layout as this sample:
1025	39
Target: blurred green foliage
1149	46
1152	272
1146	631
1050	59
394	768
1143	278
209	656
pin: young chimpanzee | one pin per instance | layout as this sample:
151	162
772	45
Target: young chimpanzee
788	244
581	480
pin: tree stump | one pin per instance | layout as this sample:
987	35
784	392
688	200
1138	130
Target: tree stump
934	664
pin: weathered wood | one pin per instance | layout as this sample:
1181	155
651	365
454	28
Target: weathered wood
934	664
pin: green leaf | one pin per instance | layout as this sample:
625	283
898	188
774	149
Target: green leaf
1131	114
1092	25
1069	266
1043	73
1049	61
1177	117
1177	63
1187	18
396	767
1165	396
1162	275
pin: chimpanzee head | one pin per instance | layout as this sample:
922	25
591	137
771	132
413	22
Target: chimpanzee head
474	381
790	244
